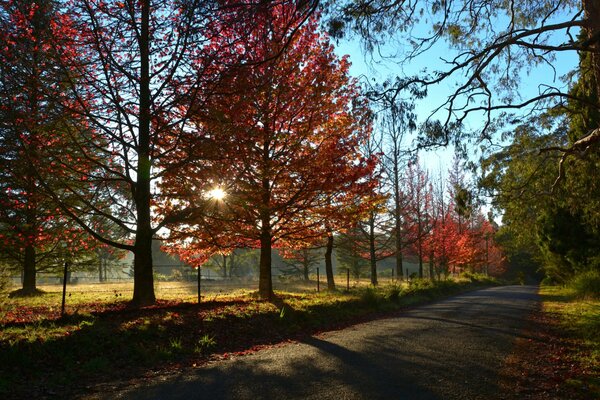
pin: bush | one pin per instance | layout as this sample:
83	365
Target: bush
477	277
370	297
586	285
393	293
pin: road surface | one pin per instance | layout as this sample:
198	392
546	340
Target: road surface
452	349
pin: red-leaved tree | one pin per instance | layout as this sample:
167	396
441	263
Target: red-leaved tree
287	128
34	234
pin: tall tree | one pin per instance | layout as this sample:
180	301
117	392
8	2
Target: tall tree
288	133
419	217
397	120
35	234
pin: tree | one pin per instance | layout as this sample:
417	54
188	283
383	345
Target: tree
536	198
419	216
397	121
350	254
288	133
35	235
300	262
492	45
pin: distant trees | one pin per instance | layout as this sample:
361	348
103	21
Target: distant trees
301	262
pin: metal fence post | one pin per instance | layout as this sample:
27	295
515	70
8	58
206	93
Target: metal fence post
64	292
199	284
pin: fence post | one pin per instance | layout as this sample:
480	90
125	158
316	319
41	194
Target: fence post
199	284
347	279
64	292
318	281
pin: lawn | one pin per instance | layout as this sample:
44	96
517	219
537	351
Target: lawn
579	320
101	339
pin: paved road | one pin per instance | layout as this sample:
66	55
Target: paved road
451	349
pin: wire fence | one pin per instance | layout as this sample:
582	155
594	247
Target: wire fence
176	283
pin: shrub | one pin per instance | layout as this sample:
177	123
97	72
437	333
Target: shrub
586	285
393	293
370	297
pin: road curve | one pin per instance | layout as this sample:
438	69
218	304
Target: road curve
451	349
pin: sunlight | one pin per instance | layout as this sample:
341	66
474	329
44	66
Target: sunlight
216	194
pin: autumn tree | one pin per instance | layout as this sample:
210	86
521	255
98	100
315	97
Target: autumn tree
288	132
419	219
35	235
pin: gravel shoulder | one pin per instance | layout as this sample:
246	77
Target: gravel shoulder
452	349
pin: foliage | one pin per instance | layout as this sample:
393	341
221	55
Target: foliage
535	195
493	48
586	285
275	116
34	234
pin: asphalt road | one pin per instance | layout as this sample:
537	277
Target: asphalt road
451	349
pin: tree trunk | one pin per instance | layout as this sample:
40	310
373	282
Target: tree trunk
397	216
372	254
399	259
224	270
29	281
100	268
591	10
143	285
328	262
431	271
420	251
305	271
143	280
265	283
29	267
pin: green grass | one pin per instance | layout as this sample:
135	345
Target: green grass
579	317
104	339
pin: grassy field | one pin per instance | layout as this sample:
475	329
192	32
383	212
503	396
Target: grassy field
101	339
579	318
173	290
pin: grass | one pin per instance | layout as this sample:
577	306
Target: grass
579	318
101	339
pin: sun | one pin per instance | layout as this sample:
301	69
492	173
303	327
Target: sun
216	194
